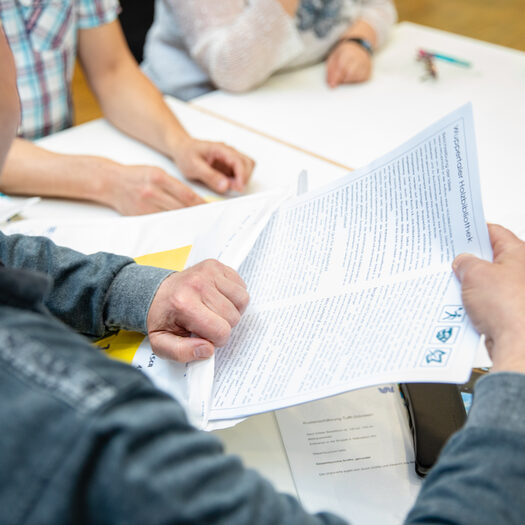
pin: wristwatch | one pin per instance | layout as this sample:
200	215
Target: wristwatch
365	44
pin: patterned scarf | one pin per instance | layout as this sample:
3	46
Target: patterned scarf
320	16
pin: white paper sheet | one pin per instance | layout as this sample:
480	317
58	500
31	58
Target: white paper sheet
351	285
12	206
229	239
352	455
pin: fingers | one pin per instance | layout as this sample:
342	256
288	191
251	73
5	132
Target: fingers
229	300
155	199
217	165
237	167
242	172
218	304
214	179
180	192
182	349
225	310
206	300
334	71
464	263
232	275
347	64
494	297
503	241
147	189
202	321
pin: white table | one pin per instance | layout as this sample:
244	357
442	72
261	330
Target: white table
355	124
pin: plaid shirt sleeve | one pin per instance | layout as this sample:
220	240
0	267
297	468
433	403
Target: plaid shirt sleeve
94	13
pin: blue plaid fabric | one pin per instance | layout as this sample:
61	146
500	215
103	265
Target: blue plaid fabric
43	37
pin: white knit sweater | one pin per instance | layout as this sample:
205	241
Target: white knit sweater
235	45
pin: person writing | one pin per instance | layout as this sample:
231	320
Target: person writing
236	45
45	38
89	440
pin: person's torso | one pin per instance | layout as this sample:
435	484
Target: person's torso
53	387
319	23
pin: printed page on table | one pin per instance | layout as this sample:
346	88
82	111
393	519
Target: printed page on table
353	455
351	285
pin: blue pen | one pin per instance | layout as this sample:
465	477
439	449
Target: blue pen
445	58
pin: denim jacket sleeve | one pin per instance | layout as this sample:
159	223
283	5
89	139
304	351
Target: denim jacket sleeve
479	477
92	294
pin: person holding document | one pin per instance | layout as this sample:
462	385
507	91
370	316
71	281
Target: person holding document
45	38
90	440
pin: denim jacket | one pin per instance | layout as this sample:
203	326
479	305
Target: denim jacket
88	440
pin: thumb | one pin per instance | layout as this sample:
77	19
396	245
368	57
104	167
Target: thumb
178	348
463	263
501	239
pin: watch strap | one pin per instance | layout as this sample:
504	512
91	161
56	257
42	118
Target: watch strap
365	44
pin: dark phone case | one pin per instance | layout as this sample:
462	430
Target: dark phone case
436	411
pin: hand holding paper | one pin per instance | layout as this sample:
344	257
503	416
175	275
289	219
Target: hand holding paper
350	284
491	295
206	300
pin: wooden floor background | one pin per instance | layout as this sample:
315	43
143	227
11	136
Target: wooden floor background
498	21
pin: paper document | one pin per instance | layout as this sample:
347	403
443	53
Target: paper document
351	285
10	207
352	455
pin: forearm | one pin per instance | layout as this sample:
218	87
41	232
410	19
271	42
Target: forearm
135	106
239	47
93	294
127	97
31	170
479	475
9	103
8	125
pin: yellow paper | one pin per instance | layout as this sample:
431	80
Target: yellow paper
123	345
213	198
170	259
